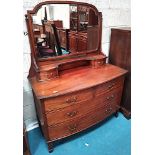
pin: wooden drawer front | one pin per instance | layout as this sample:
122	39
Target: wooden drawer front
70	127
83	108
67	100
109	86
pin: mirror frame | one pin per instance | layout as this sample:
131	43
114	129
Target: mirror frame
29	22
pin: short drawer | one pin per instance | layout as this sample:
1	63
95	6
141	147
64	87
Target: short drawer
63	101
76	125
83	108
109	86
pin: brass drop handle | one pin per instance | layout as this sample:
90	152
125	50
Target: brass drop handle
71	114
108	110
71	100
75	99
110	86
67	101
72	127
110	97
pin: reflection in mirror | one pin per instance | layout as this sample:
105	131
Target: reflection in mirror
62	29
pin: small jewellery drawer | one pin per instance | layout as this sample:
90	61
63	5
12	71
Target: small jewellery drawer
83	108
68	128
109	86
67	100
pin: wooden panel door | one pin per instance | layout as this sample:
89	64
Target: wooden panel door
82	44
120	55
72	43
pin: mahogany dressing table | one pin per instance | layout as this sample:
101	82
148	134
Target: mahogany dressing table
73	89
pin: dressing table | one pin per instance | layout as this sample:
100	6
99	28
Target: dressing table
74	88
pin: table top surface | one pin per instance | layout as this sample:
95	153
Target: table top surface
77	79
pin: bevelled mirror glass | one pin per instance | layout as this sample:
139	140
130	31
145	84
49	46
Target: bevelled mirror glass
65	29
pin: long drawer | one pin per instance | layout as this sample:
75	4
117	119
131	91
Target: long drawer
68	128
63	101
83	108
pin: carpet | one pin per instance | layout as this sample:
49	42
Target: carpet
110	137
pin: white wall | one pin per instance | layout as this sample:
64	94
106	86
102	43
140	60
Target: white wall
61	12
28	104
116	13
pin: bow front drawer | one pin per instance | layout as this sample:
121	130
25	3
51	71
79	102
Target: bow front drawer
63	101
68	128
109	86
82	108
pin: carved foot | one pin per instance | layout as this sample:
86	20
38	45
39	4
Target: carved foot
116	114
50	146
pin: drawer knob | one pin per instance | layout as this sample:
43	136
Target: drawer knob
71	114
72	127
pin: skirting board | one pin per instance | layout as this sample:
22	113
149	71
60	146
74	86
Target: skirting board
32	126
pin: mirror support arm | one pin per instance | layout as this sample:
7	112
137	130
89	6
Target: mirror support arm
33	55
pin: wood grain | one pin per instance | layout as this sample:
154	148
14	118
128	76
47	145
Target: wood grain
82	108
120	55
76	125
76	80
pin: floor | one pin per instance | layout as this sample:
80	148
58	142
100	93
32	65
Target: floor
111	137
